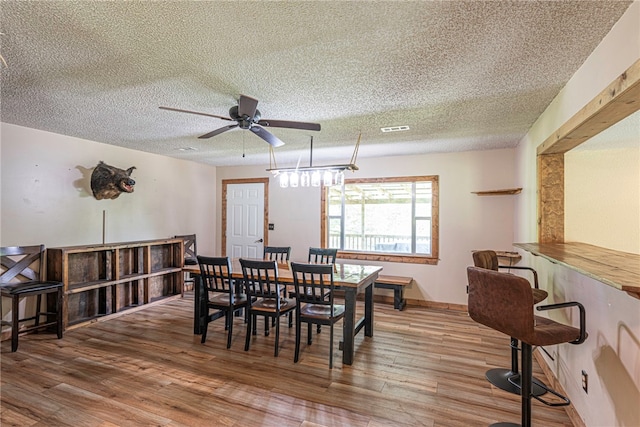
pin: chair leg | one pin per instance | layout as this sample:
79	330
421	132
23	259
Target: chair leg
309	334
527	376
59	307
204	330
296	356
252	320
230	329
15	324
275	352
331	347
38	310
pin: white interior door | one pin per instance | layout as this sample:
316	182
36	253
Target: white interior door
245	220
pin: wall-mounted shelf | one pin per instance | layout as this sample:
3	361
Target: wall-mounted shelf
505	192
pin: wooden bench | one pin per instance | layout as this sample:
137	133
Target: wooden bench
397	283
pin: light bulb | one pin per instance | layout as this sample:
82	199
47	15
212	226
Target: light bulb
328	178
305	180
315	179
293	179
284	180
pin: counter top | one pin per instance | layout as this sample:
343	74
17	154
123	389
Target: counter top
620	270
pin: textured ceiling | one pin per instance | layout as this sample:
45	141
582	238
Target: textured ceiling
463	75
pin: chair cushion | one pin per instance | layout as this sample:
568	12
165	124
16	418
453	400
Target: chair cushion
221	298
190	261
269	304
28	287
321	310
549	332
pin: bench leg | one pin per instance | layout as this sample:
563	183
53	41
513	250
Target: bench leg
398	298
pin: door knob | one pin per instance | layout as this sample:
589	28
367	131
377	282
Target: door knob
258	241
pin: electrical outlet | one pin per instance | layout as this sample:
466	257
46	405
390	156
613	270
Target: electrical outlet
585	382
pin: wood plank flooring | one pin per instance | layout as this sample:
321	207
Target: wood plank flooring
423	367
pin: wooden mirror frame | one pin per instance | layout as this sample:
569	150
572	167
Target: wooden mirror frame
618	100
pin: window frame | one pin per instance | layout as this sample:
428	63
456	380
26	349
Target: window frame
431	259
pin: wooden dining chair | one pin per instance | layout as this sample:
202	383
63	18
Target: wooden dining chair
314	289
318	256
23	276
265	297
322	255
220	293
190	257
277	253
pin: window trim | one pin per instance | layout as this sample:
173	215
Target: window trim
431	259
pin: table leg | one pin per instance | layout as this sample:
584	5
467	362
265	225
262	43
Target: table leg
197	305
349	326
368	310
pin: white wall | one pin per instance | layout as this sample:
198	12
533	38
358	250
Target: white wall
611	354
467	221
602	195
46	194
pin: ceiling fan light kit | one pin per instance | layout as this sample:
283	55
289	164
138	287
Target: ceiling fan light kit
312	176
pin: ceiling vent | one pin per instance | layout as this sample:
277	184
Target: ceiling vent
395	128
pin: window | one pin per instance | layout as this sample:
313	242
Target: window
384	219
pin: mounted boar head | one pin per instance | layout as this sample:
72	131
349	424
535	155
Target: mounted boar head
107	182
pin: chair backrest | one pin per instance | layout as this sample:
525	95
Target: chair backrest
22	263
216	274
313	283
501	301
486	259
277	253
322	255
190	248
261	279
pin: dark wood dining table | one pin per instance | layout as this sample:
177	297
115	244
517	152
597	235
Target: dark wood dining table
351	279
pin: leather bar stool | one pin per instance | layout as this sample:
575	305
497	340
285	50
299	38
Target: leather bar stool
504	302
509	379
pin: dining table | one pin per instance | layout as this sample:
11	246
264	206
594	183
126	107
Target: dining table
350	279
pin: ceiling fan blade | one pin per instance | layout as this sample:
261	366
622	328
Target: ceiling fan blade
195	112
289	124
217	131
247	106
266	135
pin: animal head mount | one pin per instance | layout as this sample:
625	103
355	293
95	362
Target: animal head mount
108	182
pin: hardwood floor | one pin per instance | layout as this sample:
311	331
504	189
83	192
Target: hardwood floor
423	367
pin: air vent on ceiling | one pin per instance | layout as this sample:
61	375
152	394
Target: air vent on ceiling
395	128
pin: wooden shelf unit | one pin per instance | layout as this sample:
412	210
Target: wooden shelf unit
102	280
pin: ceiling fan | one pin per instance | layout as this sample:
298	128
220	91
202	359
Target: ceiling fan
247	116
